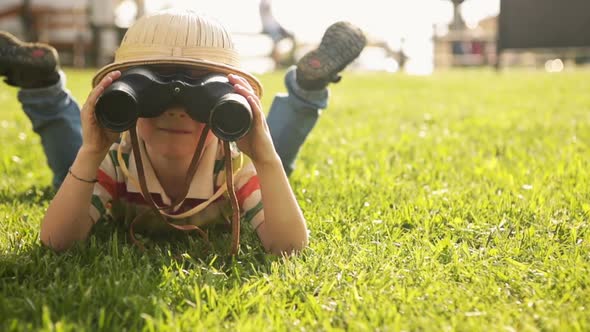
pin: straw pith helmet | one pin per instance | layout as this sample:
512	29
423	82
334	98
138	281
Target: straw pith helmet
179	37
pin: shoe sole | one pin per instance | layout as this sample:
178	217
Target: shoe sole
15	53
340	45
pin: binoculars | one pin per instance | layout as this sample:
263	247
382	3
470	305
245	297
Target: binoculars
142	92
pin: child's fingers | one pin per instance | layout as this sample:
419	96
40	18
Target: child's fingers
252	99
240	80
248	94
243	90
256	102
93	95
103	84
109	79
256	108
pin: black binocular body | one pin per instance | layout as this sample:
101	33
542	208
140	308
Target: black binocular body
142	92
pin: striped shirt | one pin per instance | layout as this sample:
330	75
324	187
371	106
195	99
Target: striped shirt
117	195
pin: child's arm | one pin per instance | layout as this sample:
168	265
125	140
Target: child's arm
67	219
284	229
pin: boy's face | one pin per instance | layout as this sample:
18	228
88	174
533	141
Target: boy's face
173	134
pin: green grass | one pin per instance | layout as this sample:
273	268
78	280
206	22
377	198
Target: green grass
458	201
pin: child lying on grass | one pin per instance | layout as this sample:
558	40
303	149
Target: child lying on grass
147	182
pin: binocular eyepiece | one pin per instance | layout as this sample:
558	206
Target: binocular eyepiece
142	92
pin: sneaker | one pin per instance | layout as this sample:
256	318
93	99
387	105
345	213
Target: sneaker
27	65
341	44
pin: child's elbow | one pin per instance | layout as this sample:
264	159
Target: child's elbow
289	246
282	240
51	242
287	250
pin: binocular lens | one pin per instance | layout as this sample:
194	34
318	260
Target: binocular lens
231	117
117	108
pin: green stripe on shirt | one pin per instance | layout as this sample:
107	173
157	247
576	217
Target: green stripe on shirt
249	215
113	155
97	203
115	160
219	165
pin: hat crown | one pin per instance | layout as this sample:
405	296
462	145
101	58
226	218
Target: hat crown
178	33
179	37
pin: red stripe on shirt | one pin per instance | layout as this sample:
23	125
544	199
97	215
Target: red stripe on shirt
247	189
137	198
107	182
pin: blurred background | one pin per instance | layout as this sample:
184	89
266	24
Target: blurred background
416	37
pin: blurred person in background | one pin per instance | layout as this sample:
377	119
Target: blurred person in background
275	30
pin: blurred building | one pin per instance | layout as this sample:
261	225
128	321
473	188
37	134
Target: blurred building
83	31
469	47
526	33
464	46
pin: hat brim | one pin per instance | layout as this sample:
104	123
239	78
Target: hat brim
193	63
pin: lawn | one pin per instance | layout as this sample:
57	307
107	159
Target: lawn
458	201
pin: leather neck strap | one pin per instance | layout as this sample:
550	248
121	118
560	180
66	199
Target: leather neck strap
235	222
192	169
229	180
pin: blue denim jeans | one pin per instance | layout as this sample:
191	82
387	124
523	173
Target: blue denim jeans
55	116
292	116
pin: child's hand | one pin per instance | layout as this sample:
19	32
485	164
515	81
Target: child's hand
257	144
97	140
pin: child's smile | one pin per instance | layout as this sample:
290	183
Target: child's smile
175	131
175	122
173	134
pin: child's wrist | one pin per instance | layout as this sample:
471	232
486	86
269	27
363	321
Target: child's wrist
269	160
85	167
91	156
